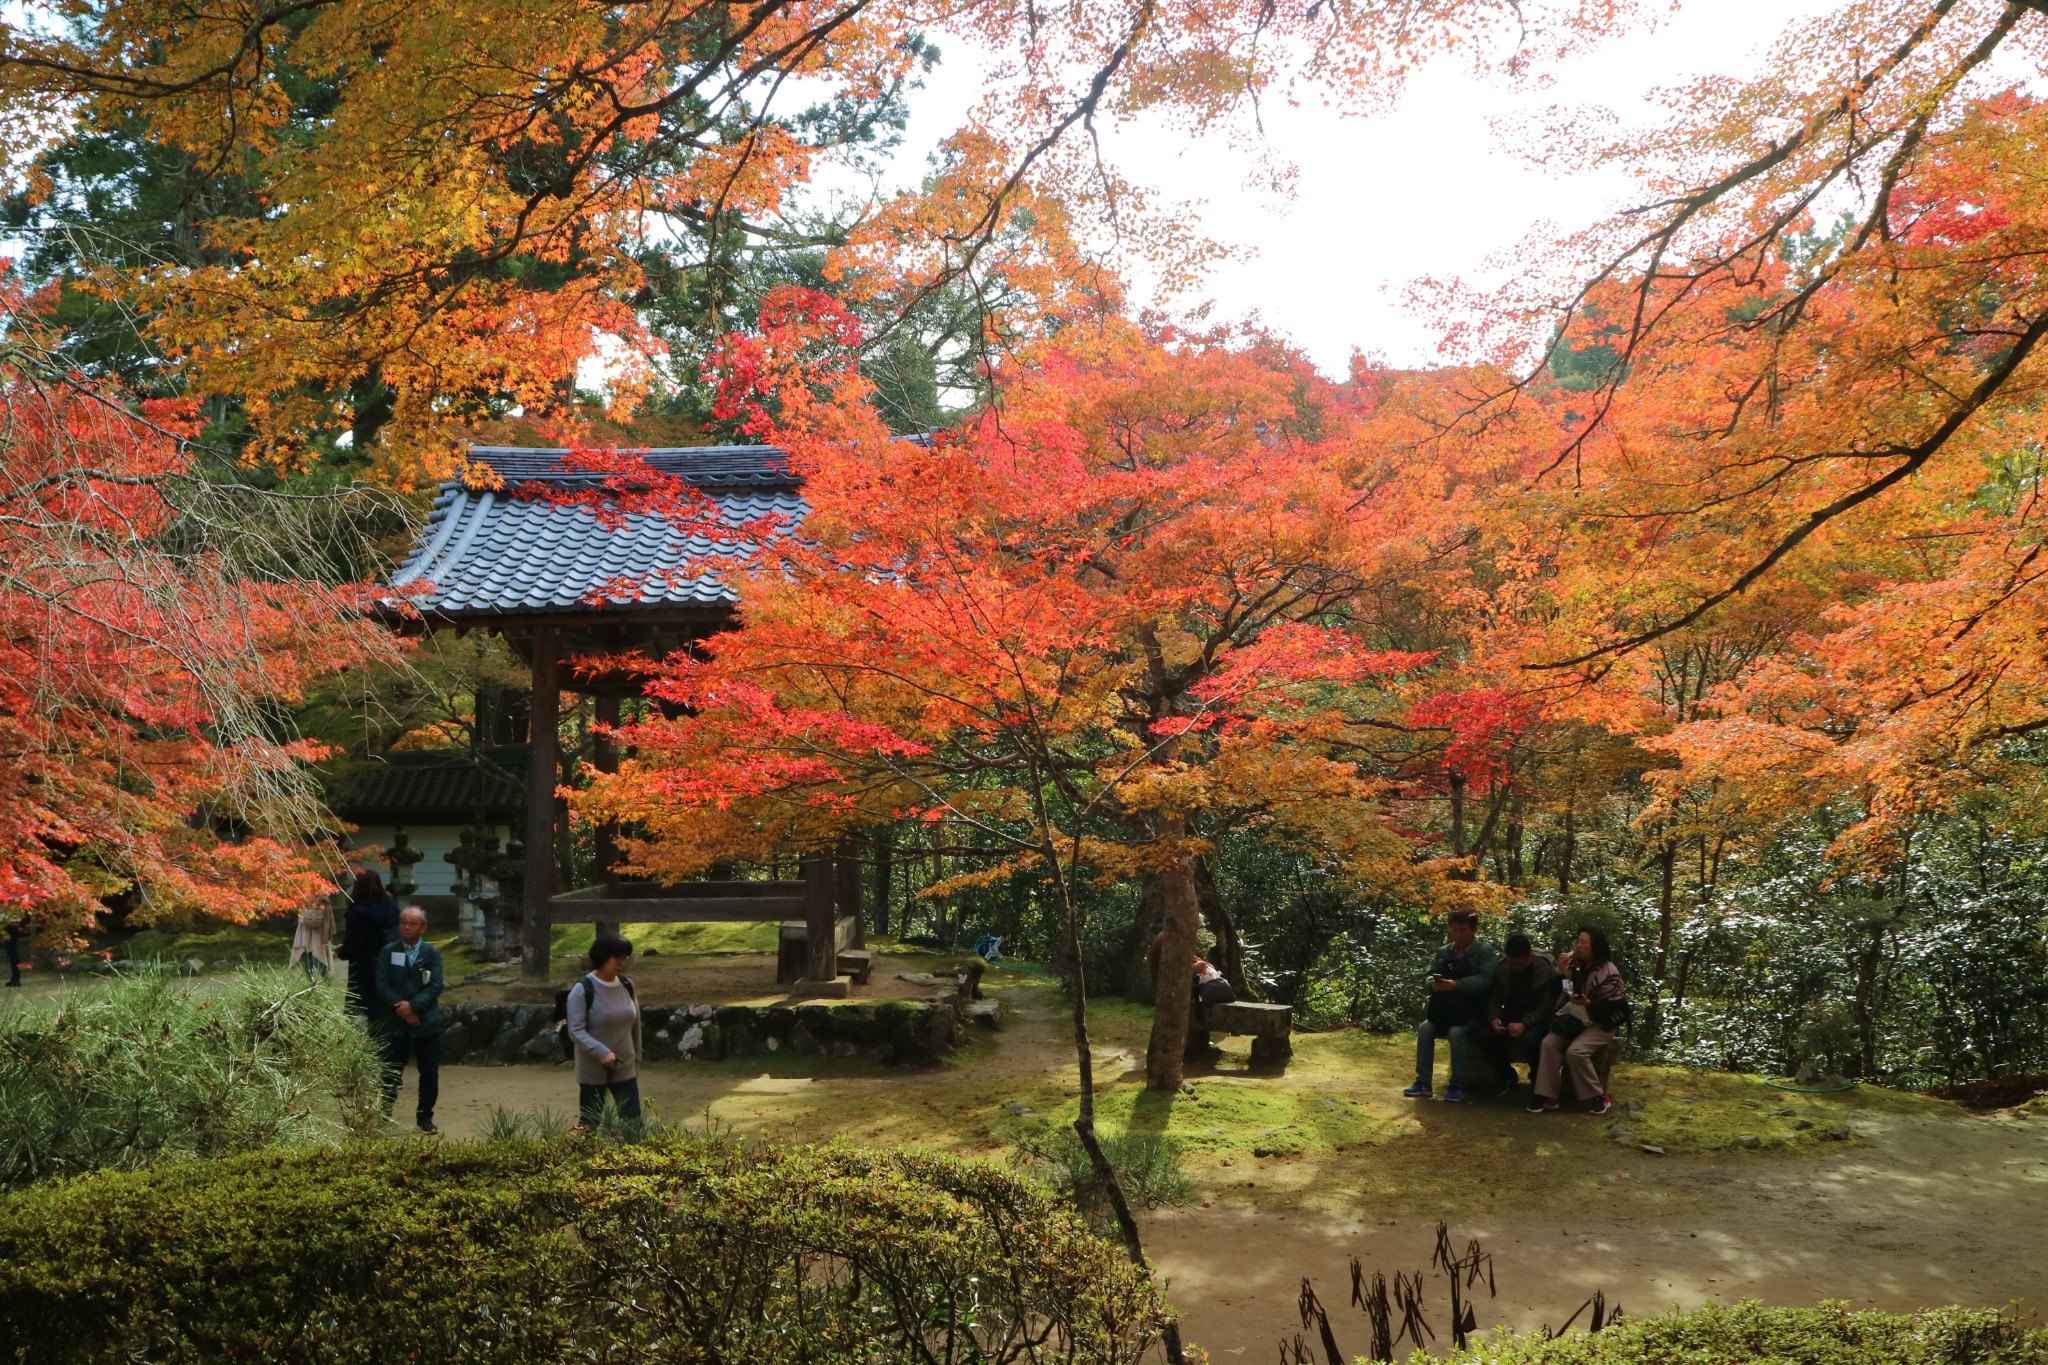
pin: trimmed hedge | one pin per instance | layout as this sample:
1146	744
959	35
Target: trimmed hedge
564	1250
1752	1334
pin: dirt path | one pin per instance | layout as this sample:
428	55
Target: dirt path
1929	1205
1930	1211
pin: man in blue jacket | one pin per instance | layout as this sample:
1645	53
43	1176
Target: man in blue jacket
1459	979
409	986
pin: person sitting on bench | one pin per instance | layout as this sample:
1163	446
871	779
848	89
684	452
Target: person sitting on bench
1591	1010
1459	980
1524	996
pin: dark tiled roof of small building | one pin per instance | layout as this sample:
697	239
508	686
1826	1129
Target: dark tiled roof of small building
431	787
491	552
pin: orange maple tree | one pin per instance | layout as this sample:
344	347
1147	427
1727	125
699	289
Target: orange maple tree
1129	604
144	653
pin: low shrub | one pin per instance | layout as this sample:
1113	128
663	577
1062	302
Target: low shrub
677	1250
1752	1334
1148	1168
130	1071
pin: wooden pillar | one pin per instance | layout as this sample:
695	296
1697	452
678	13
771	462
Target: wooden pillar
847	863
821	912
542	773
606	754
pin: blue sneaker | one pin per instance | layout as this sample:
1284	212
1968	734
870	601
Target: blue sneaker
1417	1091
1455	1095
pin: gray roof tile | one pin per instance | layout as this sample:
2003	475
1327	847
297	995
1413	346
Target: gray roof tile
489	552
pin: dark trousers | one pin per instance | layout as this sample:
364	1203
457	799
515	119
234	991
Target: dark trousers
362	987
1502	1052
426	1057
625	1098
17	953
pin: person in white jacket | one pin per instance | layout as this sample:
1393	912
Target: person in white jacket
604	1023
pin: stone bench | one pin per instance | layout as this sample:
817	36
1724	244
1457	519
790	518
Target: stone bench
1482	1080
1270	1027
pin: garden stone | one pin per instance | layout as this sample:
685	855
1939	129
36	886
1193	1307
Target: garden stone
1649	1149
1750	1141
1801	1125
986	1013
842	1048
1783	1113
542	1047
692	1039
702	1011
774	1044
1621	1135
525	1022
804	1043
740	1040
454	1042
1839	1133
191	966
1019	1108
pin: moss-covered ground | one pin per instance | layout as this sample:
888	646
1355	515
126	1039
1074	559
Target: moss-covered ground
1329	1131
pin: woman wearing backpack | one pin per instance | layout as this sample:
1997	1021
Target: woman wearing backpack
1593	1005
604	1024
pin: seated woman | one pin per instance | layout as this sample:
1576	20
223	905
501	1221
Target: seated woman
1592	1005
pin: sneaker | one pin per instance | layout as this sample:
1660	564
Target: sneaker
427	1126
1599	1104
1455	1095
1505	1088
1417	1091
1539	1105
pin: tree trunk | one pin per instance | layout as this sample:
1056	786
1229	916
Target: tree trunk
1229	947
885	853
1457	781
1653	1017
1084	1119
1137	957
1564	857
1163	1060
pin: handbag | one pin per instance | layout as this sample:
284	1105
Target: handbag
1569	1022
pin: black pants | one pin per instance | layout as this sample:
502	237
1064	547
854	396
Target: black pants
362	987
1503	1052
625	1098
16	955
426	1056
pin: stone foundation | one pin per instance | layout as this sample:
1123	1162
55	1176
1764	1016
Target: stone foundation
899	1032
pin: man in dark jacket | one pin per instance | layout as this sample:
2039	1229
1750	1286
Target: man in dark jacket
409	986
1459	978
1519	1007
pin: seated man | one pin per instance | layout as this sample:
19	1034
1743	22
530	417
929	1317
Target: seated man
1459	979
1519	1007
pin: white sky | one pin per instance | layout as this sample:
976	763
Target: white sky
1435	187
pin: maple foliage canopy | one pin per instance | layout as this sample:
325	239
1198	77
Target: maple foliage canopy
458	202
144	655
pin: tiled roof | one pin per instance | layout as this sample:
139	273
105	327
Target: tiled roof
430	787
489	552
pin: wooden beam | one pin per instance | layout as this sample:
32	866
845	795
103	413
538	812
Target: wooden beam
607	834
846	865
542	773
705	910
821	916
654	891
